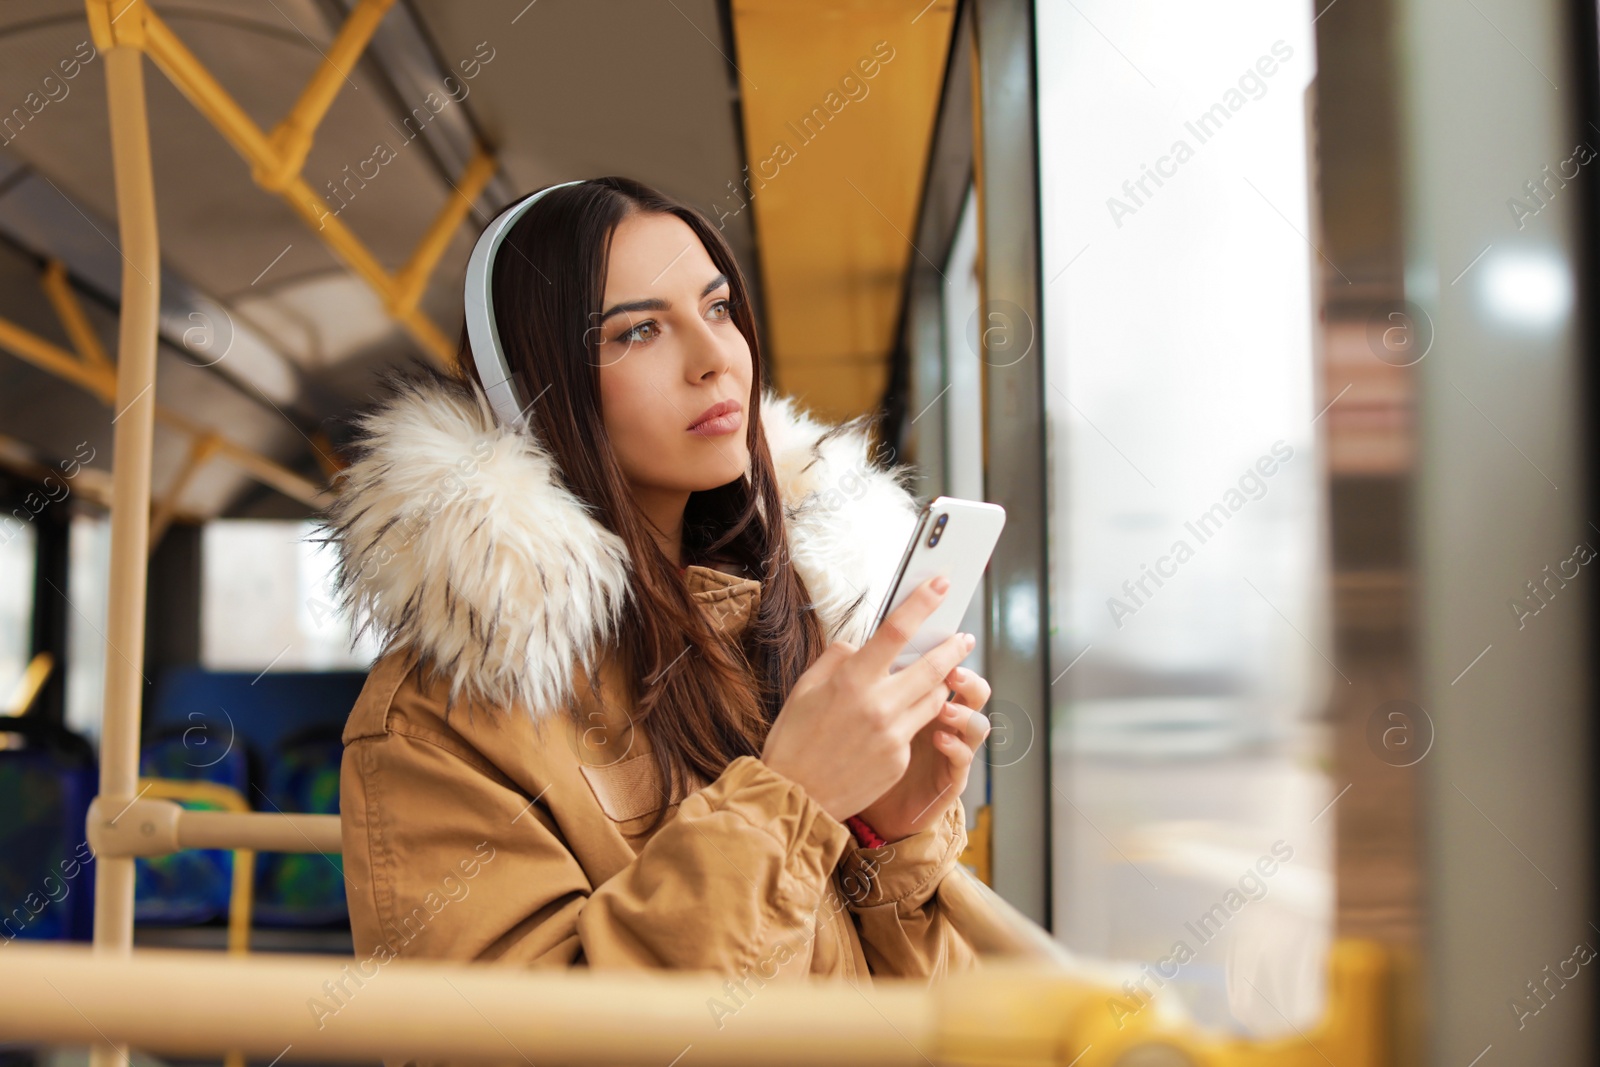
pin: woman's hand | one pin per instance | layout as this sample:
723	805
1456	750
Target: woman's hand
941	758
845	733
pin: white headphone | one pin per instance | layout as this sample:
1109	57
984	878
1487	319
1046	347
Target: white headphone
482	334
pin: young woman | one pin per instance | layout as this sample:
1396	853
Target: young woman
627	714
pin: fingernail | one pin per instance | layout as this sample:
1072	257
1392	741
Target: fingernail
972	642
941	584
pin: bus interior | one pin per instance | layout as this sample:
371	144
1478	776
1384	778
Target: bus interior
1262	320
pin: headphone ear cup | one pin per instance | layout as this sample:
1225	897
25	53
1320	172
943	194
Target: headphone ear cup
489	359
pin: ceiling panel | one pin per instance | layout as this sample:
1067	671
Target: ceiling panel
839	103
639	88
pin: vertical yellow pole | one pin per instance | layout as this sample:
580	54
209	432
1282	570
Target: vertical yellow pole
118	29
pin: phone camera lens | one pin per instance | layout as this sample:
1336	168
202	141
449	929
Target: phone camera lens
938	530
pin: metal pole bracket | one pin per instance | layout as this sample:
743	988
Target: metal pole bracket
144	826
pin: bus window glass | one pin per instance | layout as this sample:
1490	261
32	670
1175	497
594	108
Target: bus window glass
17	554
962	433
1191	834
267	601
88	583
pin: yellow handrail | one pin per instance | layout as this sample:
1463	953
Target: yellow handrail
197	1004
413	277
241	898
293	136
275	163
92	371
84	338
47	356
989	923
120	38
30	684
241	902
202	448
268	473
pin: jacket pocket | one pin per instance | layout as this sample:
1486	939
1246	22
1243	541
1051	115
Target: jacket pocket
631	788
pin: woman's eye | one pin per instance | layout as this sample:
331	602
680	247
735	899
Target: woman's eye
637	336
721	309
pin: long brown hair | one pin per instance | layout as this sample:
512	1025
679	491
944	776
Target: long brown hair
702	701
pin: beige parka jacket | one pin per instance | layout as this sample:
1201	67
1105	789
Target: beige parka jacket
494	792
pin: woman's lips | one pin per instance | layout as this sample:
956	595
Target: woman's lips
719	419
718	426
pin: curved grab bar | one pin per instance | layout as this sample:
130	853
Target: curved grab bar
992	926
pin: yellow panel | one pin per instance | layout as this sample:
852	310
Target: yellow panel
839	103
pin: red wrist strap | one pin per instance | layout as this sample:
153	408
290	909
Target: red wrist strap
865	835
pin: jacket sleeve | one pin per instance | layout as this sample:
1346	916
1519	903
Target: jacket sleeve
752	841
892	893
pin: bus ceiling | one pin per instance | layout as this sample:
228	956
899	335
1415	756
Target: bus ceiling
314	162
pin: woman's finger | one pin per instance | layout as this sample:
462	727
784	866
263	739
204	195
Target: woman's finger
900	626
958	752
972	727
977	729
922	713
823	667
970	687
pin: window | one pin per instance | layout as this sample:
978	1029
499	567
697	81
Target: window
1186	526
88	586
18	545
961	433
267	600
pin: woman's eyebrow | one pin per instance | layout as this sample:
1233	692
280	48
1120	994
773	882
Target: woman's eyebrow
658	304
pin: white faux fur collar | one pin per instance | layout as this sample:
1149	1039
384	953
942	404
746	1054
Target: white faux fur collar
457	537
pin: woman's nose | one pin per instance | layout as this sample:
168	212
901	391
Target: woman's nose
708	358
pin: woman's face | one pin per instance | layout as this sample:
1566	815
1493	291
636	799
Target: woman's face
675	372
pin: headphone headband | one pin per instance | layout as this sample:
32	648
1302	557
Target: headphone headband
483	336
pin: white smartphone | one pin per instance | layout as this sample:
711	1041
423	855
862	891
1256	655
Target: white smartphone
953	538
